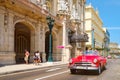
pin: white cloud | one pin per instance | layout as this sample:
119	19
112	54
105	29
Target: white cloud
113	28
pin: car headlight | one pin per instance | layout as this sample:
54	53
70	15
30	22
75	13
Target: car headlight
95	60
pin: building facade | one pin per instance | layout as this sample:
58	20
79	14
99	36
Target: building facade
95	30
114	50
23	26
106	42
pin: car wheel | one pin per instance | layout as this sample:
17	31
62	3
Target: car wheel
99	70
104	67
73	71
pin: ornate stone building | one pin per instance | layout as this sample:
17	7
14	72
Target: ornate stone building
23	26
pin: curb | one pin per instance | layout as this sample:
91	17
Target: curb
34	68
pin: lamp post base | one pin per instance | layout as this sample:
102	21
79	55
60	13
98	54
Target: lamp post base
50	63
50	59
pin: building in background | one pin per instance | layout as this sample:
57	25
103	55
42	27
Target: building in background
106	42
114	50
98	36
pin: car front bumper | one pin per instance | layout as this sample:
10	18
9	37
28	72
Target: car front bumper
84	68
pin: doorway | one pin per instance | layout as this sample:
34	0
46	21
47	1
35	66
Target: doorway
22	41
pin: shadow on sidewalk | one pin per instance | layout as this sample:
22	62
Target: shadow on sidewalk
1	65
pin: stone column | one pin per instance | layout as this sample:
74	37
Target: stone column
1	31
43	43
32	48
32	45
43	39
68	53
3	55
11	31
82	8
37	38
7	54
64	41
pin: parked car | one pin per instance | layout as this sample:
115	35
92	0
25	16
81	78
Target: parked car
90	60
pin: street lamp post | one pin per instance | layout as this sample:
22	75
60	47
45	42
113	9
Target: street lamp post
94	43
50	22
102	49
93	39
105	46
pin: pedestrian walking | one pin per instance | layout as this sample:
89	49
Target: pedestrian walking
26	58
36	57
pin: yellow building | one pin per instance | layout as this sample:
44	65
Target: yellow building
94	28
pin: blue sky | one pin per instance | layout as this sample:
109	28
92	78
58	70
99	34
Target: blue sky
109	12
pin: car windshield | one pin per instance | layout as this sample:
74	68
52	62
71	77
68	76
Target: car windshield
91	52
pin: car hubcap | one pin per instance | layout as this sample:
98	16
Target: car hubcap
99	69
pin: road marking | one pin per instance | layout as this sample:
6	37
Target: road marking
51	75
53	69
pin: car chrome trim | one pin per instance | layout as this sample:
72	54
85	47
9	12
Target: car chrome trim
84	68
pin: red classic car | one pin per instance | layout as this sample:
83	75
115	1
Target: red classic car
90	60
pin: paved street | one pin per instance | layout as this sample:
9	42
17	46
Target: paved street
61	72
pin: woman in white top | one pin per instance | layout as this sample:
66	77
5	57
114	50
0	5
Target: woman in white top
38	56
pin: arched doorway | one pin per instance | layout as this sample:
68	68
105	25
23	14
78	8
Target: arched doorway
47	44
22	41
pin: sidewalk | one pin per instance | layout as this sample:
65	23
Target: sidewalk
24	67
